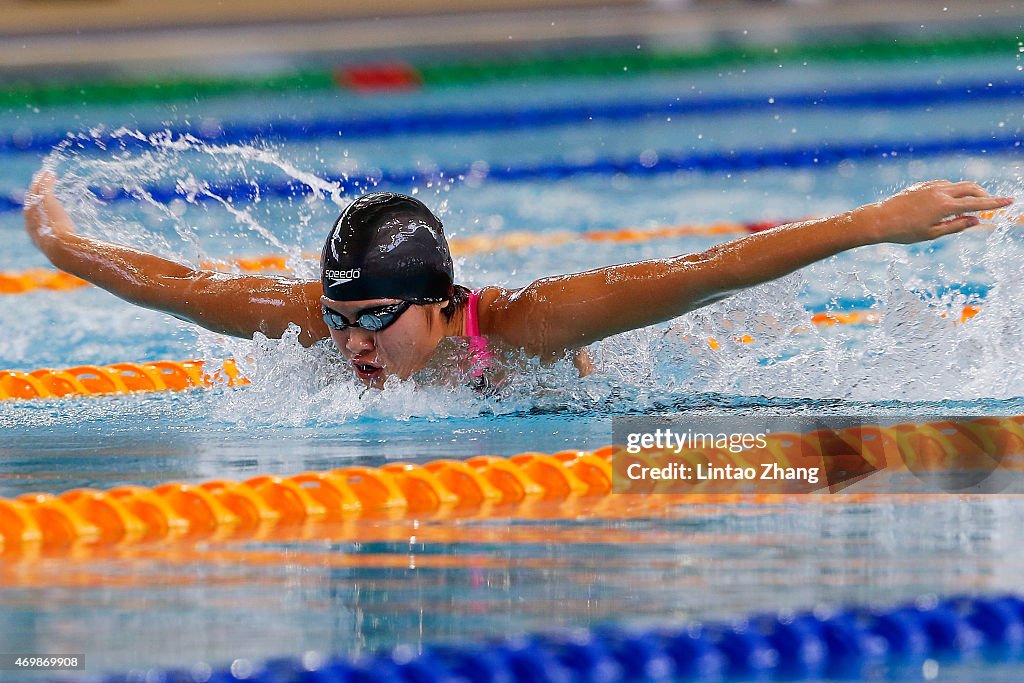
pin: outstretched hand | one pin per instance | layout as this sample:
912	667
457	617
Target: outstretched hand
46	221
928	210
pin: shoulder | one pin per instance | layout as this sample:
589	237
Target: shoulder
487	301
493	308
517	318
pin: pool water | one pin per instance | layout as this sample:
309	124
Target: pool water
372	585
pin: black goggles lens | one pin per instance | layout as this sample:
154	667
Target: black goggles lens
374	320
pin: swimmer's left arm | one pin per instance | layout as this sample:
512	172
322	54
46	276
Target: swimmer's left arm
239	305
570	311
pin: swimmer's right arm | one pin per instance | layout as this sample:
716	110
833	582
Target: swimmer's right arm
570	311
238	305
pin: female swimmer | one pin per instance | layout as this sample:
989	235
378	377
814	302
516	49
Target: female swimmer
387	297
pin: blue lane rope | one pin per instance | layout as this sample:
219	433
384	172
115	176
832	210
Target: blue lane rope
361	127
849	644
731	161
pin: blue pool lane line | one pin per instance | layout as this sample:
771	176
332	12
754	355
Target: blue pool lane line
526	118
728	161
848	644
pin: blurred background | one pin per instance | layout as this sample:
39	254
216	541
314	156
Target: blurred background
125	32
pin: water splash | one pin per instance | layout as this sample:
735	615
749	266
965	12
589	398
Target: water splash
920	351
204	221
916	353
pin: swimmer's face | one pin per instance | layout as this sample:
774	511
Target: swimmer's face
402	348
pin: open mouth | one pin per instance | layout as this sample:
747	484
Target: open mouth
367	371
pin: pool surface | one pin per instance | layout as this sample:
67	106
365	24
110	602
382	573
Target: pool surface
369	585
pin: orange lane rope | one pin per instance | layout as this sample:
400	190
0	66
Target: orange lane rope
118	378
183	549
480	486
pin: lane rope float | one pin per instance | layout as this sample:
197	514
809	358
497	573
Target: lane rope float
117	378
850	642
483	485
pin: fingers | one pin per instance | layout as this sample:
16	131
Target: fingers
966	189
45	217
954	225
44	181
970	196
960	190
967	196
985	203
42	186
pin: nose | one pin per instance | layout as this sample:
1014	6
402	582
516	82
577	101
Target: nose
359	341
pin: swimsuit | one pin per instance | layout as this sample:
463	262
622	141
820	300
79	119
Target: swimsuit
479	356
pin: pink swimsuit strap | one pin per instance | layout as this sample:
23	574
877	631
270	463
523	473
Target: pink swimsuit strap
478	354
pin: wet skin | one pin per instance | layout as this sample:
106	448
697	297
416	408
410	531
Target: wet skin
402	348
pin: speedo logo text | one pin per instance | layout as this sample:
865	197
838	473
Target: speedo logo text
340	277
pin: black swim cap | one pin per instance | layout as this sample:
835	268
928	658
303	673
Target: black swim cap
387	246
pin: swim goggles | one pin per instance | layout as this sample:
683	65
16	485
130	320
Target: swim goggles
373	319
